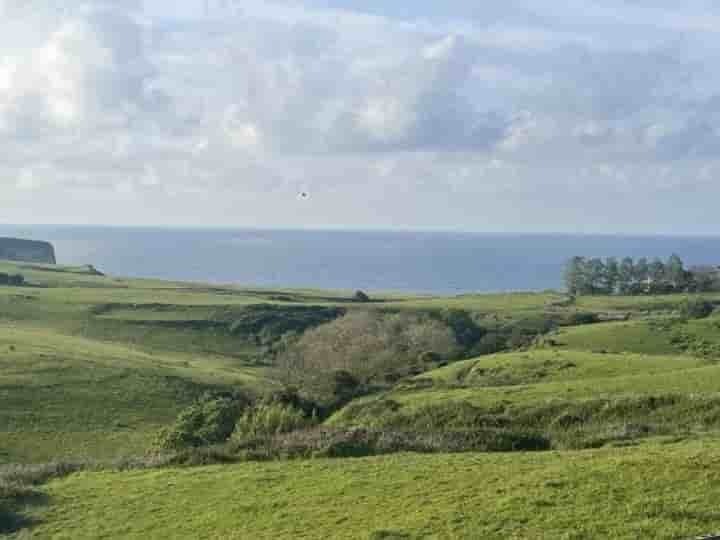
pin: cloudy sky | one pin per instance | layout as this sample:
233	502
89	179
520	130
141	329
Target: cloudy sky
521	115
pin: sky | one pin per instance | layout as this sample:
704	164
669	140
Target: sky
515	116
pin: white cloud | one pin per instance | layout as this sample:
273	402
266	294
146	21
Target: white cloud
225	114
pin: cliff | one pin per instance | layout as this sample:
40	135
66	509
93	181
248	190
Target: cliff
14	249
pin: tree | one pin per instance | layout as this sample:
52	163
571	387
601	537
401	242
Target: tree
626	275
596	275
675	272
641	271
360	296
696	308
612	275
656	270
574	270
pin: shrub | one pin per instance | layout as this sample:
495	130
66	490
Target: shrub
361	297
343	443
467	332
696	308
267	420
209	421
267	323
14	280
580	318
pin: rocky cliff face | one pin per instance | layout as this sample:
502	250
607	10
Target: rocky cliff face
14	249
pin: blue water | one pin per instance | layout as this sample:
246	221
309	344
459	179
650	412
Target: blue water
443	263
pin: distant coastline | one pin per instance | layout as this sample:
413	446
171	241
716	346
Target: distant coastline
418	262
25	250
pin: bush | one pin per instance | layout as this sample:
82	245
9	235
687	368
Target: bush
209	421
580	318
267	323
696	308
466	330
343	443
361	297
267	420
13	280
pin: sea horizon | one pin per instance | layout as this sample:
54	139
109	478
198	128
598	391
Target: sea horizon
381	261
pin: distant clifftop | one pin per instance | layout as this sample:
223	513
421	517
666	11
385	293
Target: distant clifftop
15	249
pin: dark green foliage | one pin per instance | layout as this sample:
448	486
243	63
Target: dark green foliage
594	276
675	272
580	318
360	296
611	275
467	331
266	420
345	443
696	308
626	275
345	386
575	276
566	425
12	496
703	279
491	343
266	323
291	396
13	280
209	421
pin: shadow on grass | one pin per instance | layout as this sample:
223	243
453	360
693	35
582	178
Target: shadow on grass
689	515
11	518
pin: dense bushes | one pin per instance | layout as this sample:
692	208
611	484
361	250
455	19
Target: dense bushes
696	308
340	443
373	347
366	351
266	323
360	296
214	419
566	425
13	280
266	420
211	420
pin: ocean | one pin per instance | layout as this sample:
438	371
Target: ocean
420	262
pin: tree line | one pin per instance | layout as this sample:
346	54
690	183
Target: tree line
596	276
14	280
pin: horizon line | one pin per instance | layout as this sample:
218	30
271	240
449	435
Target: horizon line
355	229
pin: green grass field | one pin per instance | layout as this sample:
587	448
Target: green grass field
92	366
659	490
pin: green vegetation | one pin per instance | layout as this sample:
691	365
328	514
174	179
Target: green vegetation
592	276
662	490
528	415
13	280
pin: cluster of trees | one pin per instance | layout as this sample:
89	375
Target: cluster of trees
592	276
14	280
369	345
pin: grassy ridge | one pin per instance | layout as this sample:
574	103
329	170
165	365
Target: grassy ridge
65	396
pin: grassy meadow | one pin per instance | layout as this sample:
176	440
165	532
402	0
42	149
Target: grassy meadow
620	395
660	490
